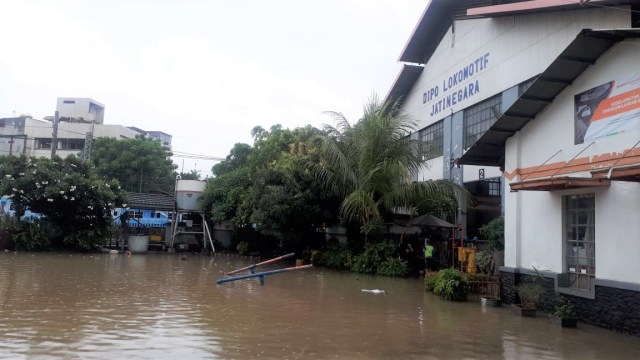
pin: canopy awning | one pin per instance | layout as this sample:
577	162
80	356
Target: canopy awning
162	202
559	183
622	173
583	51
430	220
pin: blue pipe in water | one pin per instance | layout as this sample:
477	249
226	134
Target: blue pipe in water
261	275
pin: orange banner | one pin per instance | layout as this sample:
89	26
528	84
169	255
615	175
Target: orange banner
616	105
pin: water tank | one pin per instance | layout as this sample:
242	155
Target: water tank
188	194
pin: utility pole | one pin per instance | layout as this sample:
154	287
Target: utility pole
54	137
88	143
13	141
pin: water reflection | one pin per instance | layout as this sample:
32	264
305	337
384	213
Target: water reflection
159	306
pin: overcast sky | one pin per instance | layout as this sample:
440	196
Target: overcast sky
205	72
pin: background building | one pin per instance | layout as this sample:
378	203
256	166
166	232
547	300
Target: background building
80	110
79	119
164	138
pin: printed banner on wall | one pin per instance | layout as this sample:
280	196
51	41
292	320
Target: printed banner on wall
607	109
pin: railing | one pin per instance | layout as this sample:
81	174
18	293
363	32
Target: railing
118	235
486	285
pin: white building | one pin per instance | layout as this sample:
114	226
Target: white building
79	119
164	138
34	137
80	110
503	90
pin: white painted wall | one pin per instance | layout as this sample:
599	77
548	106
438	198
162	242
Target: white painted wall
472	172
519	48
534	231
43	129
618	233
34	128
558	134
541	238
79	108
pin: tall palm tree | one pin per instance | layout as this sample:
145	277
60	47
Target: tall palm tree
370	165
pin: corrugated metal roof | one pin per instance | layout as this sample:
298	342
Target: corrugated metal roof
440	14
527	7
432	26
404	82
585	49
150	201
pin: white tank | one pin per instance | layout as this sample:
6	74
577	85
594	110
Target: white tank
188	194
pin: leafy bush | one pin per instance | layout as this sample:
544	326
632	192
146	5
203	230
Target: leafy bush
530	294
484	260
564	309
373	256
363	263
430	281
26	236
68	193
393	267
380	258
494	232
451	284
478	277
242	248
318	258
337	257
85	239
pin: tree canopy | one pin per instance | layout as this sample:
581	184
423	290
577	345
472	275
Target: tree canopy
140	164
68	192
264	186
191	175
370	165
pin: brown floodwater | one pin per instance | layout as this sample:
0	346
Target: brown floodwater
157	306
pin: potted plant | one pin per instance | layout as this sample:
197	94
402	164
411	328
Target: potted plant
566	313
530	295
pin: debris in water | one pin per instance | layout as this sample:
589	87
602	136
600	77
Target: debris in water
374	291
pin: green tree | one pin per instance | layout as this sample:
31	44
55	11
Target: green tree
494	232
191	175
286	201
225	193
237	158
370	165
69	193
140	164
264	186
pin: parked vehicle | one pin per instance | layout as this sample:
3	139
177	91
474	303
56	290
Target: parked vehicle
7	209
141	217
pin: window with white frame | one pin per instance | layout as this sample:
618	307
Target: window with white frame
580	242
432	140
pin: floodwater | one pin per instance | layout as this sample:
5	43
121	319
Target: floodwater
157	306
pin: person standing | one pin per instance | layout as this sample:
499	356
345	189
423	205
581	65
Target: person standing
428	254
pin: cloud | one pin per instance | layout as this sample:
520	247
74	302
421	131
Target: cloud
205	72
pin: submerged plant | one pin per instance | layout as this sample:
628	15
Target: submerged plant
451	284
530	295
564	309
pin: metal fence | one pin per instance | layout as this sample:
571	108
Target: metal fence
485	285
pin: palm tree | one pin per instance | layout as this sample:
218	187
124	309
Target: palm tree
370	165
